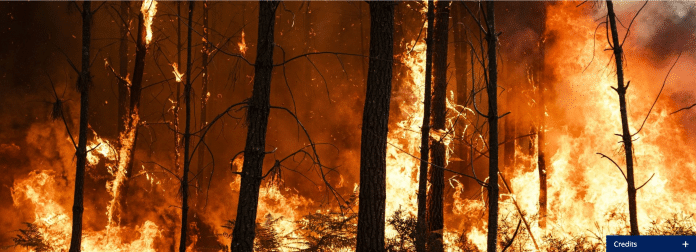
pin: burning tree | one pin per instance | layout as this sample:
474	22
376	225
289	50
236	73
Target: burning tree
373	144
440	141
83	85
257	119
421	223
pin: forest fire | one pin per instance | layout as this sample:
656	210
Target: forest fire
548	126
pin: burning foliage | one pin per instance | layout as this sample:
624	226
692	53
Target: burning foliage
32	238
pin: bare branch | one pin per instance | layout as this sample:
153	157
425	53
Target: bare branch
646	182
617	165
684	108
658	94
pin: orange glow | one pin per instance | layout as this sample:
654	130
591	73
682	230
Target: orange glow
242	45
54	222
149	9
178	75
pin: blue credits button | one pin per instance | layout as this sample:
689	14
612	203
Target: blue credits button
651	243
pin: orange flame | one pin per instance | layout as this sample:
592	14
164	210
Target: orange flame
149	9
39	189
176	72
242	45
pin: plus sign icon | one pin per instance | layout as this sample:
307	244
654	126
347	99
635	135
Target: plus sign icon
650	243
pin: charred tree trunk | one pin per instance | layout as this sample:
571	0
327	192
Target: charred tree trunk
541	134
123	92
460	55
133	116
625	134
177	105
123	88
204	96
375	121
492	90
439	111
187	136
257	120
541	160
421	224
83	86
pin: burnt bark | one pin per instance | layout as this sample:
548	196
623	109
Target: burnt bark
438	150
542	79
83	86
137	84
187	136
257	122
460	65
421	223
625	131
177	104
133	117
123	92
492	90
204	98
373	145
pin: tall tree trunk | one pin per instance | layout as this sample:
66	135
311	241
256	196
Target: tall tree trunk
123	91
204	97
460	55
541	160
83	86
492	90
375	121
128	142
439	111
421	223
187	136
177	105
542	80
625	134
123	69
257	120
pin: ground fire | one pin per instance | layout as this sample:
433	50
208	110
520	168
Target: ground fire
345	126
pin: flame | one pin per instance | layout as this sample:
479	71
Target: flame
54	222
242	45
127	141
587	194
149	9
176	72
100	147
279	204
404	139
